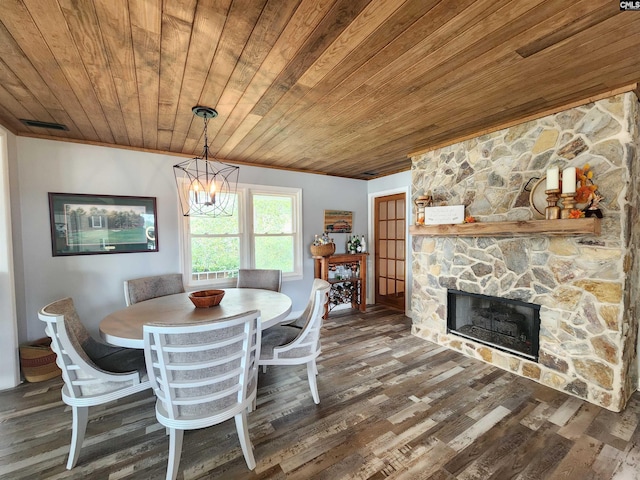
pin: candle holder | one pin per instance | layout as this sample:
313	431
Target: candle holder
421	202
552	212
568	204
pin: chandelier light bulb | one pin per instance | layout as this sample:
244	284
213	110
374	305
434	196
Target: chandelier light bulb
212	192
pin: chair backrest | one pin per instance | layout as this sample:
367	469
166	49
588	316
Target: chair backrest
260	278
204	370
82	377
145	288
307	344
301	321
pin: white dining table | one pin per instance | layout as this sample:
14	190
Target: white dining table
124	327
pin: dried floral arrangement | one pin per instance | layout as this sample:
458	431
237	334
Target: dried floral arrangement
587	190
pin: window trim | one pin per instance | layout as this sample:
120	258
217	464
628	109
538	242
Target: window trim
246	235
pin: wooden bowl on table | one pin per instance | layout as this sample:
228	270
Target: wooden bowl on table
206	298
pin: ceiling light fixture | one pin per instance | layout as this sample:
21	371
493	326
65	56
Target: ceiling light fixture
207	187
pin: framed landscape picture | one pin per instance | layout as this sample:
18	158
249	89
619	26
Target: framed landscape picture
338	221
98	224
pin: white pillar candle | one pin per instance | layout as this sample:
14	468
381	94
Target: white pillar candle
553	178
569	180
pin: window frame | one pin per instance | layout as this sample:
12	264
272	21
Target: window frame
246	235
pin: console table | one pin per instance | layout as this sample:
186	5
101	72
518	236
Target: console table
347	274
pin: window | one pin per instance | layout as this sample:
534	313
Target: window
264	232
96	221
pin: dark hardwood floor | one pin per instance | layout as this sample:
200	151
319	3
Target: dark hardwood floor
392	406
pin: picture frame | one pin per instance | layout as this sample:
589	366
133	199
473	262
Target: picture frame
85	224
338	221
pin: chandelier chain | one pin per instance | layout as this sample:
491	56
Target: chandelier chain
206	139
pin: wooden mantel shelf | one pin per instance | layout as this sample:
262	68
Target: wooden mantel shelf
569	226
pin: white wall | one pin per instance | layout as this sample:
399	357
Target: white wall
95	281
398	181
9	373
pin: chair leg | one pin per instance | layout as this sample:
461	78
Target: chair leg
245	441
311	373
79	427
175	452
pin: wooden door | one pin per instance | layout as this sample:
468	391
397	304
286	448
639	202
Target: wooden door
390	250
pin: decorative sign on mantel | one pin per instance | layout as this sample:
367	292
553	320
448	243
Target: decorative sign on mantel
444	215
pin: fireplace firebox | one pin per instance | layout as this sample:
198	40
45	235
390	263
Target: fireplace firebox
508	325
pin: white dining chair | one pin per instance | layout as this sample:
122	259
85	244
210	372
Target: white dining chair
266	279
290	345
86	384
145	288
301	321
203	374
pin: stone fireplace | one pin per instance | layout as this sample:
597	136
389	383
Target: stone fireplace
586	285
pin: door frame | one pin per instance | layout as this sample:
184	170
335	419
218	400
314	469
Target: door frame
371	294
10	375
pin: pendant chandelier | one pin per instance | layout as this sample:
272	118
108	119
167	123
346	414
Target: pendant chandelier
207	187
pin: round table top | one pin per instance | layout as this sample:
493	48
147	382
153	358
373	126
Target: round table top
124	327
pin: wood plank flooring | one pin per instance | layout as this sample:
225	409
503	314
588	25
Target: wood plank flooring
392	406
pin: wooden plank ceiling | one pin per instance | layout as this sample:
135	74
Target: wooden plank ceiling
342	87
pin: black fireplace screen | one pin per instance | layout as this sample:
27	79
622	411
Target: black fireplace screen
509	325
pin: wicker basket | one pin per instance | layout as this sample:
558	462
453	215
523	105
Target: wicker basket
38	361
323	250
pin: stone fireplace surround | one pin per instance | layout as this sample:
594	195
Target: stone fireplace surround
587	285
